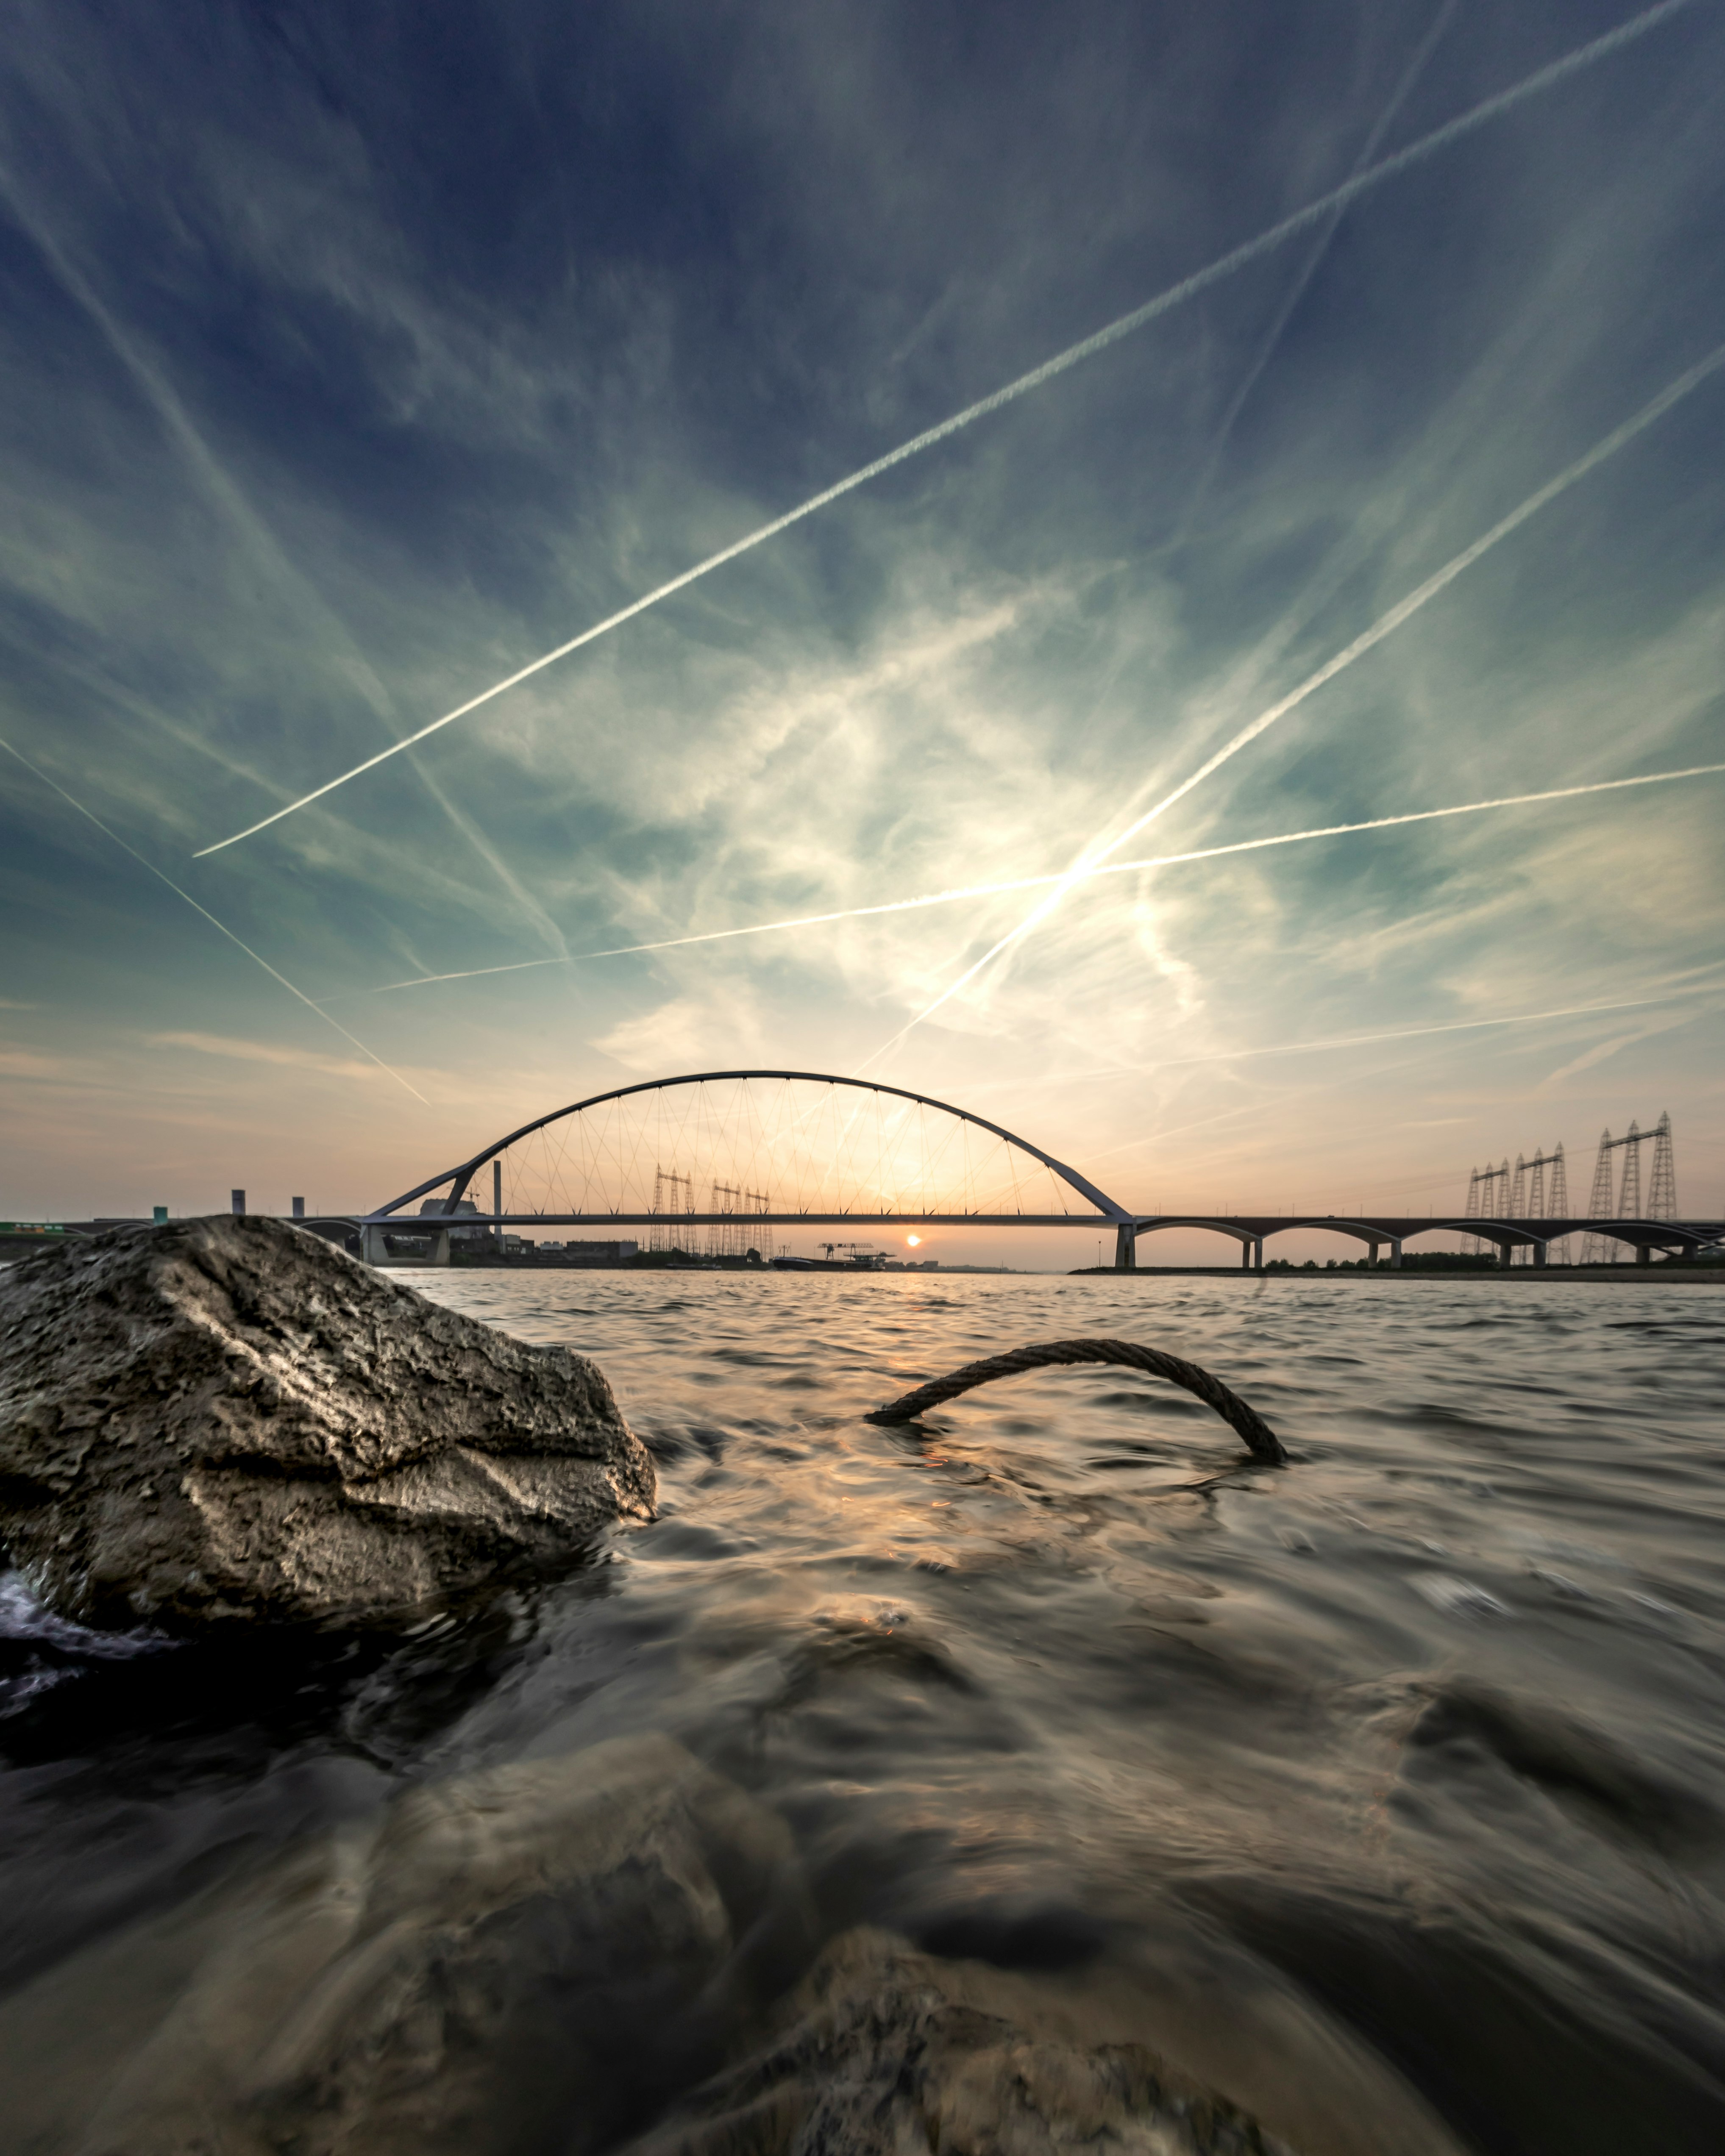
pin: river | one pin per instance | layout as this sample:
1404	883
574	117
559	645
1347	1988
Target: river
1410	1749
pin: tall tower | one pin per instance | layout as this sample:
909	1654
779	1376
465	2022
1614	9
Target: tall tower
1629	1202
722	1234
1545	1206
1597	1249
1521	1253
1662	1197
672	1195
1557	1205
1487	1199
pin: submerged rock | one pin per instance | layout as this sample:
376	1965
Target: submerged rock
520	1960
228	1419
885	2052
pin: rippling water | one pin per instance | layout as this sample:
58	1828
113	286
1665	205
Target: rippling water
1411	1748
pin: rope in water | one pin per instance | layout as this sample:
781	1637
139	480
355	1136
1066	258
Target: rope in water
1259	1436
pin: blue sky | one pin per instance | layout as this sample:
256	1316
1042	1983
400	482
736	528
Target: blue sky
351	361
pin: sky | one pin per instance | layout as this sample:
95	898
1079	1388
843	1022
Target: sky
354	359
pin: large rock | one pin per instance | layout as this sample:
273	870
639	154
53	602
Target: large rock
519	1961
228	1419
885	2052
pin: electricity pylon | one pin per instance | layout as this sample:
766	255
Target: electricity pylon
1597	1249
1552	1204
1480	1196
672	1194
1629	1203
1662	1196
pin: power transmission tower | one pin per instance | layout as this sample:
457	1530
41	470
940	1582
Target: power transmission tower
1597	1249
1662	1197
721	1235
1629	1203
672	1194
1552	1204
1485	1201
1540	1204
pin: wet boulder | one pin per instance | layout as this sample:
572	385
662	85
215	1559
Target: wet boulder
522	1959
883	2051
227	1418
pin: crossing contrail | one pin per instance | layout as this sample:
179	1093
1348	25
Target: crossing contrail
90	816
1358	184
1064	877
1385	625
1308	269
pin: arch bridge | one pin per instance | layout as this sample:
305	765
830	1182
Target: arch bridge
716	1157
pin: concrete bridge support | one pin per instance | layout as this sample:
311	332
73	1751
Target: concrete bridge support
375	1250
1395	1253
1125	1248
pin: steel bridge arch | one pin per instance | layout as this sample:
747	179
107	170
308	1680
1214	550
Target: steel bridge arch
458	1178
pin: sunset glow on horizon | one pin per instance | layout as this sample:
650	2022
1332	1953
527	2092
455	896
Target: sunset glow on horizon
1347	369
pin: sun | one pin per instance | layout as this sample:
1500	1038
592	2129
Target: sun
913	1240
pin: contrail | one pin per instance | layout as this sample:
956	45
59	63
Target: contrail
266	551
1284	315
91	817
1175	296
1066	877
1368	639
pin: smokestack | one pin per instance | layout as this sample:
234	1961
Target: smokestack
298	1205
239	1201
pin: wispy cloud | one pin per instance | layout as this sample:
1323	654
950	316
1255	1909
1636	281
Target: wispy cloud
1367	639
383	419
25	1063
1067	879
260	1051
1189	288
298	994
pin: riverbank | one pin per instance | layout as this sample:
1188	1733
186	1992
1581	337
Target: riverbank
1550	1275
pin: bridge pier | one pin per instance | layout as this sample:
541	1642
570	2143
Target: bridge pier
375	1251
1644	1254
1126	1247
1372	1250
1506	1255
1395	1253
1539	1254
